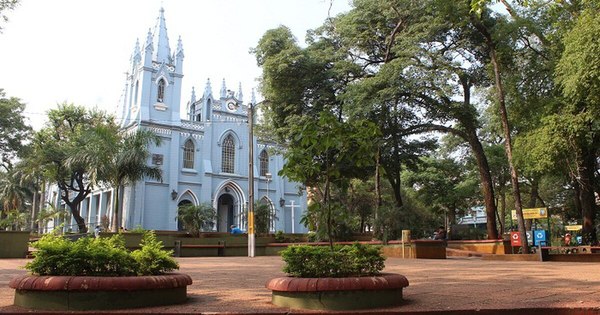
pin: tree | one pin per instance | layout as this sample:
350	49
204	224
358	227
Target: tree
67	134
328	153
13	130
196	218
444	185
4	6
578	74
120	159
263	217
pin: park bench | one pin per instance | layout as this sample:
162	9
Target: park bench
220	247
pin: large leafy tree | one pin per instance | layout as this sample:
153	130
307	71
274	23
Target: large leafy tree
67	134
578	73
407	66
14	132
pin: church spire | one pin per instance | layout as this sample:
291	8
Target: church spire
223	89
207	89
253	98
136	56
162	51
240	96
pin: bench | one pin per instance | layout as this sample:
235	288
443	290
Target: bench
220	247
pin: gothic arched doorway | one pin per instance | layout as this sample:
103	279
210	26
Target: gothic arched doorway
225	213
180	226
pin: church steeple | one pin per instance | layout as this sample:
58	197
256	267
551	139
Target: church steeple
223	89
207	89
162	51
240	96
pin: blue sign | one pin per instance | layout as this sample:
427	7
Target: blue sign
540	237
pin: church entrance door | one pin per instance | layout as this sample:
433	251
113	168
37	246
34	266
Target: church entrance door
225	213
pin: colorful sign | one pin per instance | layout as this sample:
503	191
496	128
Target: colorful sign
515	239
540	237
532	213
573	227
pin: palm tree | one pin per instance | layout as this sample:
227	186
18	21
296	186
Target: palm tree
119	159
129	165
14	194
197	218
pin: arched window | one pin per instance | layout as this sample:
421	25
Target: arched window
264	163
228	155
161	91
192	112
188	154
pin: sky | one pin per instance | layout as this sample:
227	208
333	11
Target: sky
78	51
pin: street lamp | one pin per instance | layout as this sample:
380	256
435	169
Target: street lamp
251	235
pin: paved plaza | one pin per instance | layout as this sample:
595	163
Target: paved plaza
237	285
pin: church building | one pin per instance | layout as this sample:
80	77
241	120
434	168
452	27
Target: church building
204	158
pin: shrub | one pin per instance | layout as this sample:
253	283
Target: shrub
151	258
279	237
57	256
307	261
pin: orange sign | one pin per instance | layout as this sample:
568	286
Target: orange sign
515	239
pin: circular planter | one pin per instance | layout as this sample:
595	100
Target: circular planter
338	293
99	293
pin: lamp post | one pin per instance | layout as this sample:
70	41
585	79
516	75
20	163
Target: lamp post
251	240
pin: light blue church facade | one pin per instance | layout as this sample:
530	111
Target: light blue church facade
204	158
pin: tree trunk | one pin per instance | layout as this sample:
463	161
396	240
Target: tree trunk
451	221
114	227
502	202
587	197
487	187
514	176
378	200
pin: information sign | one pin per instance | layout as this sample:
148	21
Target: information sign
573	227
515	239
532	213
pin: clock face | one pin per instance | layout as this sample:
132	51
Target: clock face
231	105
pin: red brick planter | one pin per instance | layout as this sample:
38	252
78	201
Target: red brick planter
338	293
99	293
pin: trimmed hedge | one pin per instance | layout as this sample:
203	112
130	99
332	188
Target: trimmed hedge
58	256
307	261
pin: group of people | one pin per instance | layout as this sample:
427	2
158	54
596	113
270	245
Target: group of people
440	233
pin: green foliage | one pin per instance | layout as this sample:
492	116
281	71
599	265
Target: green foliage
151	258
307	261
138	229
279	237
14	133
263	217
197	218
58	256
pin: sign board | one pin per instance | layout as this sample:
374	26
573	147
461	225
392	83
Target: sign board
532	213
515	239
540	237
529	235
573	227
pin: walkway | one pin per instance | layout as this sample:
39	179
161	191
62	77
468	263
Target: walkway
236	285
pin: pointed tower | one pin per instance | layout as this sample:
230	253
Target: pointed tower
240	96
223	90
162	53
155	80
207	100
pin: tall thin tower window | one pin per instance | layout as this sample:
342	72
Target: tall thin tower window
161	91
264	162
228	155
188	154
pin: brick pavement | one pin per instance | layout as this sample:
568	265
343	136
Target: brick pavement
452	286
